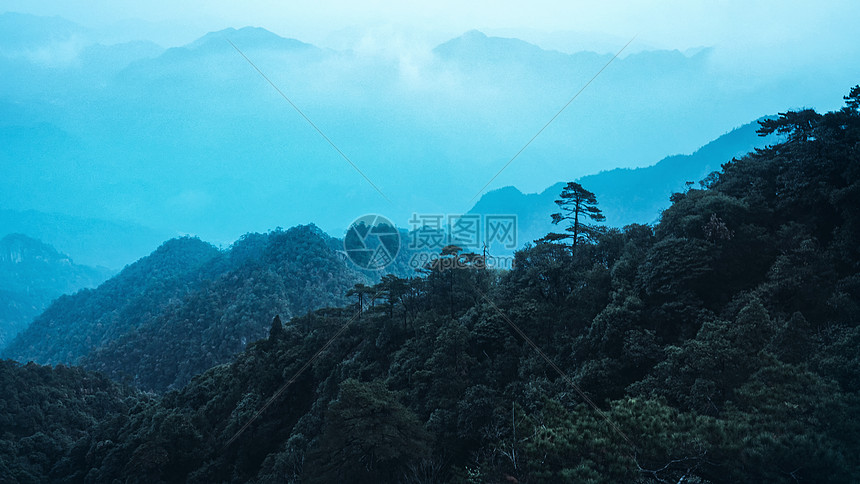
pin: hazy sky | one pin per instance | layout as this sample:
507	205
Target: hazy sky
751	38
761	49
759	28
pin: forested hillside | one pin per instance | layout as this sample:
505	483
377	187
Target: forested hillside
718	346
188	307
44	411
32	274
74	324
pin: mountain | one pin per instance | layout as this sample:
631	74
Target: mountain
639	195
476	50
32	274
89	241
249	37
54	59
188	306
717	346
192	140
22	30
74	324
106	60
625	196
282	274
532	210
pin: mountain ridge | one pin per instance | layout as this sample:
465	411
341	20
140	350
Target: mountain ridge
32	274
189	304
248	37
649	187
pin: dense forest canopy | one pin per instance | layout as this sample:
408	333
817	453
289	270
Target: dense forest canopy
188	307
718	346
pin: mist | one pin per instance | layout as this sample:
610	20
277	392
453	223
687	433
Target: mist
157	120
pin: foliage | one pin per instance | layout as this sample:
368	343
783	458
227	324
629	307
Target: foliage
45	411
188	307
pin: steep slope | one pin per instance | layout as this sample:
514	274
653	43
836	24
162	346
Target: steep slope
32	274
283	273
625	196
74	325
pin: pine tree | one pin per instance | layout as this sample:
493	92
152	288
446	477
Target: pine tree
578	205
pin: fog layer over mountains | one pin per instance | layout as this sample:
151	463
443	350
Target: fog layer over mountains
193	140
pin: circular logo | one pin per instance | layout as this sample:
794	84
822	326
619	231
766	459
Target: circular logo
372	242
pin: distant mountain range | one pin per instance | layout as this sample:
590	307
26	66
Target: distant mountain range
193	140
625	196
32	274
